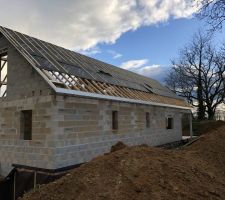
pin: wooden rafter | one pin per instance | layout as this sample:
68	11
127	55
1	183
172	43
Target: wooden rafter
3	79
92	86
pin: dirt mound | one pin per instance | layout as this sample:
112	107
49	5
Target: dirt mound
203	127
194	172
118	146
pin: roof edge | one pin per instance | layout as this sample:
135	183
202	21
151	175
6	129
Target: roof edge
121	99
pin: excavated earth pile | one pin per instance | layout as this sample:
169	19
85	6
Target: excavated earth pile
127	173
203	127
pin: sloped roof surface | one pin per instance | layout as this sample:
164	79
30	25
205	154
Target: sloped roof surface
51	57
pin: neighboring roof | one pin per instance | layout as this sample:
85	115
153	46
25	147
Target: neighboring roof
63	68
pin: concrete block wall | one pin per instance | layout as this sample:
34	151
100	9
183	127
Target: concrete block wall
37	152
72	130
85	127
22	80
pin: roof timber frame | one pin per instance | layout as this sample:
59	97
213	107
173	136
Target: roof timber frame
3	77
56	58
70	84
49	52
61	81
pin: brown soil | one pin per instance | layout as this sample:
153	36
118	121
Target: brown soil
143	173
118	146
203	127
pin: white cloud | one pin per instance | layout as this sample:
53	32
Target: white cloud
150	70
134	64
84	24
142	67
115	54
90	51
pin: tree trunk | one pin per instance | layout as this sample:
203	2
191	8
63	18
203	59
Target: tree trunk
201	111
211	113
201	107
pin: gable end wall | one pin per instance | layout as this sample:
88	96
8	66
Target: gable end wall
23	80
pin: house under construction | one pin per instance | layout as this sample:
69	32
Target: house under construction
59	108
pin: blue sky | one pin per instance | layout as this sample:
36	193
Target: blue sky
137	35
156	44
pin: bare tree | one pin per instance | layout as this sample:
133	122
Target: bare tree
197	75
213	11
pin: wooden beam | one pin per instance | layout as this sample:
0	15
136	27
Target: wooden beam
4	94
98	87
3	51
90	83
76	86
133	93
57	77
119	92
130	93
4	79
3	83
105	89
89	86
190	121
3	59
109	89
47	73
83	84
140	95
124	92
3	65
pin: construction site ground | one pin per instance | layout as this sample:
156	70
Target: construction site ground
192	172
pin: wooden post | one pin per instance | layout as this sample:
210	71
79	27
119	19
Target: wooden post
191	131
35	179
14	187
